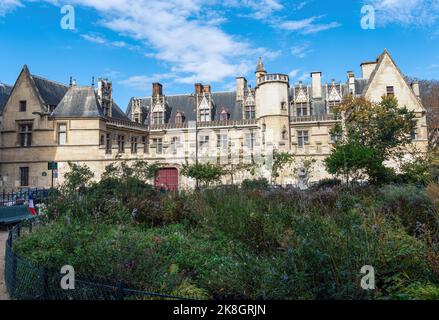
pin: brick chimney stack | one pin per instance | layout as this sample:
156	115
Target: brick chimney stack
207	89
157	89
198	88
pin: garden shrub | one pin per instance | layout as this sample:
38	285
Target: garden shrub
260	184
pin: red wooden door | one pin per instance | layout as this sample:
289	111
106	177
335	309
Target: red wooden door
167	179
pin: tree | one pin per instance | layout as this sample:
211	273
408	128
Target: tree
78	178
353	161
373	133
280	161
205	173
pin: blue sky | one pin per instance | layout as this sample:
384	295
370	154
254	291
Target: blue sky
180	42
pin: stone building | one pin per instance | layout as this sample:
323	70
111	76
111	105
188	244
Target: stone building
43	121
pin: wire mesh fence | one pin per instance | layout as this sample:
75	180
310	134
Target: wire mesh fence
26	281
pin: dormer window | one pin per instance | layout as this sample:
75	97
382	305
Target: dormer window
158	118
224	116
179	118
23	105
204	115
301	109
249	112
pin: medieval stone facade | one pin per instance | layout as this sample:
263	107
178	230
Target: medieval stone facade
43	121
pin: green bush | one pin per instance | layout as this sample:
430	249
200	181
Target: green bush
260	184
248	244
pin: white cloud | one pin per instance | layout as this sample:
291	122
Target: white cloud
259	9
293	73
103	41
307	26
7	6
301	50
175	33
406	12
143	82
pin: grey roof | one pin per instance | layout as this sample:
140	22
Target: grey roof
186	105
51	92
360	85
79	102
5	91
117	113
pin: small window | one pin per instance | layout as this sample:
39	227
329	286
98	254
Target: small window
108	144
249	112
121	143
302	138
145	145
414	134
134	145
250	140
204	115
301	109
24	176
23	106
204	141
390	91
158	118
25	135
158	145
62	134
174	144
222	141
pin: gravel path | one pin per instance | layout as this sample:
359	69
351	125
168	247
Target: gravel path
3	237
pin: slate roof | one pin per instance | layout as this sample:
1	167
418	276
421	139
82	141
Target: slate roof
51	92
79	102
5	91
186	105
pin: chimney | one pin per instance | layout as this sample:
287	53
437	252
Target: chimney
207	89
316	79
241	85
351	82
198	88
416	90
367	68
157	89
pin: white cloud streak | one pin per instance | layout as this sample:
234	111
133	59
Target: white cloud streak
7	6
406	12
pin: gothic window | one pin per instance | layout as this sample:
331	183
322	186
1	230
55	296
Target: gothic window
250	140
302	138
106	107
158	145
204	142
145	145
134	145
25	135
249	112
222	141
414	134
301	109
121	143
158	118
174	144
333	105
108	144
204	115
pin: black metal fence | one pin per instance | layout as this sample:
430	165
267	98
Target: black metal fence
19	197
26	281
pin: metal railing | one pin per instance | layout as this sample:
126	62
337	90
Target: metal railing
19	197
26	281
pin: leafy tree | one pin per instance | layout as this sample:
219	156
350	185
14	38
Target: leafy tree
205	173
373	133
78	178
353	160
280	161
232	169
